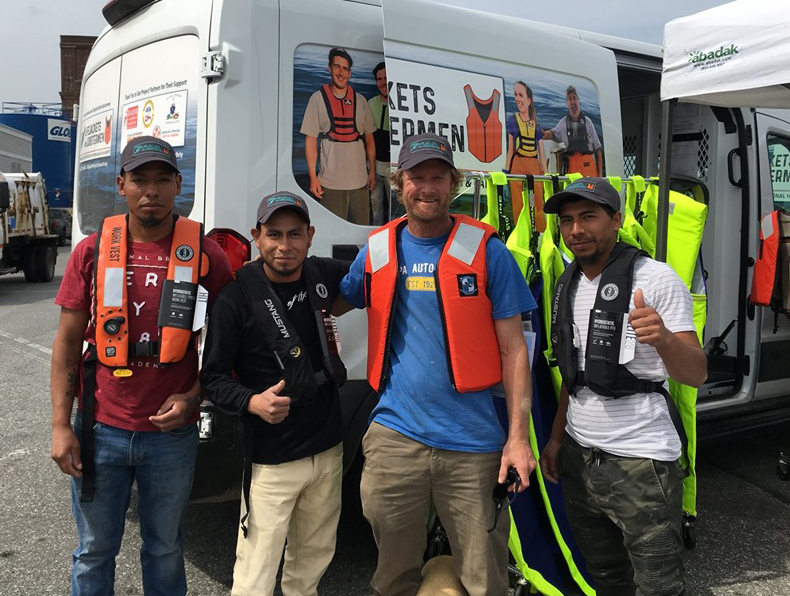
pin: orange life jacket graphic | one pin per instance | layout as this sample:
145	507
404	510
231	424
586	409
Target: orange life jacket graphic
471	344
179	294
342	115
483	127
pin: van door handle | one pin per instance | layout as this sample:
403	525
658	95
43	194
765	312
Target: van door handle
731	167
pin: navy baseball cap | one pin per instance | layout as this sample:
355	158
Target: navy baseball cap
598	190
281	200
143	150
419	148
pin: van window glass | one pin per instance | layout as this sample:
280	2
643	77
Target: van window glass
779	156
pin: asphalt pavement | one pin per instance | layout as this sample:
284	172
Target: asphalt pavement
743	527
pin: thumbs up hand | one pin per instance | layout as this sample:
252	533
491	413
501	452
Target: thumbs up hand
647	323
270	405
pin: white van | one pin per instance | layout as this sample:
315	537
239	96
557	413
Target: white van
227	84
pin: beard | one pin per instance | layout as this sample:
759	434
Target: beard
151	220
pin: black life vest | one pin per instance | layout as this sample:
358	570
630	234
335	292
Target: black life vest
342	114
614	295
578	139
301	383
604	378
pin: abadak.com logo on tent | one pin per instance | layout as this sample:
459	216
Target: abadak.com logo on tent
713	58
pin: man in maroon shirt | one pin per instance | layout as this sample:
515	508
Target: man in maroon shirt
144	418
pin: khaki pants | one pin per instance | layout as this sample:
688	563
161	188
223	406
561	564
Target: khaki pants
351	205
399	479
299	500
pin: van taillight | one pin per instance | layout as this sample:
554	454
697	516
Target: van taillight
235	246
117	10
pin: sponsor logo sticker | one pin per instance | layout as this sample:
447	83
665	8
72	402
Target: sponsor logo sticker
467	284
610	292
184	252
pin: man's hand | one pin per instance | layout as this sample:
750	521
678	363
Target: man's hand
371	183
316	188
175	411
270	405
548	461
518	454
66	451
647	323
549	135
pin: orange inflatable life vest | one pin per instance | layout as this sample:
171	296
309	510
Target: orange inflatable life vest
770	268
483	127
186	266
470	339
342	115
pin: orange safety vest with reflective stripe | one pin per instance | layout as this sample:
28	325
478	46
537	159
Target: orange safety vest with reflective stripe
342	114
483	127
471	344
110	305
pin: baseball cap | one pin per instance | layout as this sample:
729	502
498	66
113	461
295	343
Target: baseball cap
598	190
281	200
142	150
419	148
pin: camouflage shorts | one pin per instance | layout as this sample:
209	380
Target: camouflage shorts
625	514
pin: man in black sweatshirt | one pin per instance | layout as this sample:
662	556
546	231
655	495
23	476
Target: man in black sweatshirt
271	356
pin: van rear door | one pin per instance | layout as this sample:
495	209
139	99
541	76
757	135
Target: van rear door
142	78
773	146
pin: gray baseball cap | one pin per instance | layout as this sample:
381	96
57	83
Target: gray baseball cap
598	190
281	200
419	148
142	150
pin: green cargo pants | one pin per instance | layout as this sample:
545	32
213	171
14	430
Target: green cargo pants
625	514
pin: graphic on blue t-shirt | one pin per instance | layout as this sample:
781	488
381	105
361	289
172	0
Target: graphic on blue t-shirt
418	399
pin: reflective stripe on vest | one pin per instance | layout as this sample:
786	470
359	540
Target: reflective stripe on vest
484	129
471	345
342	115
111	301
525	142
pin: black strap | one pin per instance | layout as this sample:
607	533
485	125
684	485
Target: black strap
87	444
246	484
647	386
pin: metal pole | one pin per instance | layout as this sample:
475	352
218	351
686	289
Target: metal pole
664	170
476	199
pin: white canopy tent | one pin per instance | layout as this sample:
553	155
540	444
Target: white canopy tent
733	55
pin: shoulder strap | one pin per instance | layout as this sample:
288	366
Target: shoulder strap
618	271
268	309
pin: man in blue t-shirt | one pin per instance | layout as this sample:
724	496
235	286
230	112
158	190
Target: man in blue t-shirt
437	342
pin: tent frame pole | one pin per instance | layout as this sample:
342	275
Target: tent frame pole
664	178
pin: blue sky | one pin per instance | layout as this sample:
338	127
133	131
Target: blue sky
30	69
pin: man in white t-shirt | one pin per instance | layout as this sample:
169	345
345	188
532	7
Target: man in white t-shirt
621	324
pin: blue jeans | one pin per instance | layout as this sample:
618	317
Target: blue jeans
163	465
